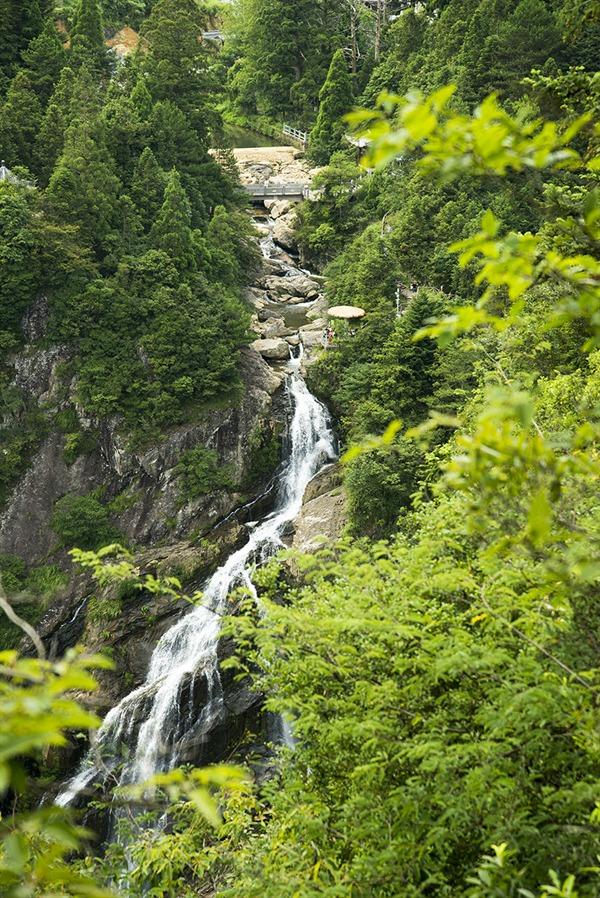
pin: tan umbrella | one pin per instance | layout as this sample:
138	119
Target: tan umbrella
347	312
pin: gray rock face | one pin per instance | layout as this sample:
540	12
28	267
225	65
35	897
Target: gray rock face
156	509
25	524
324	512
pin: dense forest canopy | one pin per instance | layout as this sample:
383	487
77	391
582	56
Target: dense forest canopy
440	666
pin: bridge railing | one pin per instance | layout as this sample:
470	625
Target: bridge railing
296	134
278	190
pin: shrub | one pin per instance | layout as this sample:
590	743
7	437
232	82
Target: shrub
83	521
199	473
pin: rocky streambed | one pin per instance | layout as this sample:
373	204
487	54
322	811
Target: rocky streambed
288	301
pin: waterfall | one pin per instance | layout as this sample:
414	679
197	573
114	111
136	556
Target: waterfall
151	718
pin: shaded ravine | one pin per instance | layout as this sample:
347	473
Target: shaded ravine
151	721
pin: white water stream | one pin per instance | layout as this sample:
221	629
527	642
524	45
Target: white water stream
149	718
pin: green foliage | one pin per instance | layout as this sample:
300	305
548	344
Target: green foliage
50	138
178	345
17	244
335	99
200	473
82	521
102	609
20	118
435	717
46	581
283	53
44	60
84	188
87	35
171	232
37	710
22	21
148	187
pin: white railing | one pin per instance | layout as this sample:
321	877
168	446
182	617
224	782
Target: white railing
278	190
295	134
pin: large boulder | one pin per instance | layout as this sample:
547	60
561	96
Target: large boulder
283	233
297	285
311	334
275	350
280	208
274	328
324	512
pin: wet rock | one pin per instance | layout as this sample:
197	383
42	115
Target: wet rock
318	308
311	334
274	267
274	349
256	296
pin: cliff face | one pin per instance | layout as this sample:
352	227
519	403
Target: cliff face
153	509
168	534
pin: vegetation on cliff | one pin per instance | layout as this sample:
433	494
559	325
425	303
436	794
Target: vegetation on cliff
439	669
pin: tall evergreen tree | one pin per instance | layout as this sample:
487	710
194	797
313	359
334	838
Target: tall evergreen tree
176	144
176	62
141	99
20	118
21	21
84	188
51	135
148	187
335	101
172	231
125	133
87	35
44	59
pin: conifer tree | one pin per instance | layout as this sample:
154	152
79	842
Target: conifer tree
21	21
44	59
20	118
84	188
148	187
172	231
87	35
335	101
141	99
176	144
125	134
51	135
176	64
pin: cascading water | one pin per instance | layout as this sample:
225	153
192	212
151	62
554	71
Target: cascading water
150	719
